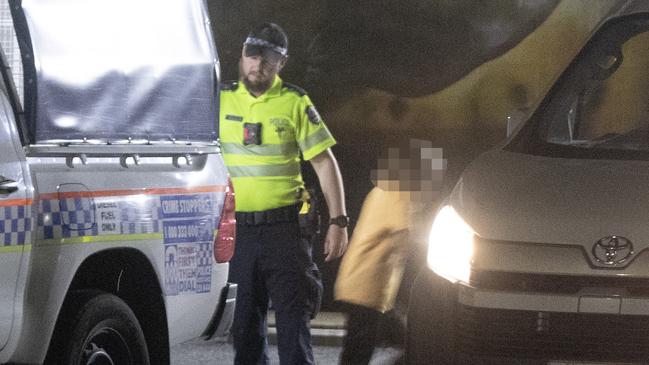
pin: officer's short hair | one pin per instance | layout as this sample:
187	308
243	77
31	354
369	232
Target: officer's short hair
271	33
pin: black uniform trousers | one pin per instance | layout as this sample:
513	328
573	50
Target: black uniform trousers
272	261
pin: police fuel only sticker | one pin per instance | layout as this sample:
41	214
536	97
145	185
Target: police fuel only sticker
188	226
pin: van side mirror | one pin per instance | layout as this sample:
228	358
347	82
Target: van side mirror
515	118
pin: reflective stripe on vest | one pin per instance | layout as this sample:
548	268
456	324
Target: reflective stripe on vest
261	150
290	169
314	139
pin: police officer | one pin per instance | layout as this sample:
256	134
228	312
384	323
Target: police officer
266	124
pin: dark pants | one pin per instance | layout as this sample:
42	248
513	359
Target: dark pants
359	342
272	261
366	329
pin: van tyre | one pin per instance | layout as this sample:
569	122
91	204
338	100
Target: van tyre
430	337
103	330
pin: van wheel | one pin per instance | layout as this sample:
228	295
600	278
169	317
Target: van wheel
103	331
430	322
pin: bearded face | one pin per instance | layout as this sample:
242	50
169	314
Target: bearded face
257	72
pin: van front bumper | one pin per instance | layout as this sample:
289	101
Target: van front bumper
586	302
546	327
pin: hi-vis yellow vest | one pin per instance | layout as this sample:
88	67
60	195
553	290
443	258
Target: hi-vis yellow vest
267	176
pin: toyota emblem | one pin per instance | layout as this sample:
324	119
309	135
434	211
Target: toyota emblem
612	250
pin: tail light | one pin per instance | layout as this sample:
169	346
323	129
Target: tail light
225	237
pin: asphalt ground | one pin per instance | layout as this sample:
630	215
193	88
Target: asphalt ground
199	352
327	331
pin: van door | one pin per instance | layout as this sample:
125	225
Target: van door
15	215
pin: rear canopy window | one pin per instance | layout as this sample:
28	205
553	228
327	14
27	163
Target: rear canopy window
118	71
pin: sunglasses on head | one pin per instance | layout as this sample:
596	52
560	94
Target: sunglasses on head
267	54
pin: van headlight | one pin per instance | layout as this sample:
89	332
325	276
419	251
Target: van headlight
450	246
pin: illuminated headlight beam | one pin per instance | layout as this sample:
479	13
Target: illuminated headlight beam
450	246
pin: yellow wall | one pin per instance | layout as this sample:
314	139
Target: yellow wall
485	97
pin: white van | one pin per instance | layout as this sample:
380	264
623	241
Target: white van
540	255
116	211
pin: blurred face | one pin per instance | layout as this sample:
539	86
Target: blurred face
258	67
416	170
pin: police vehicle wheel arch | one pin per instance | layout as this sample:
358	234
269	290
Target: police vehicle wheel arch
98	327
127	273
430	335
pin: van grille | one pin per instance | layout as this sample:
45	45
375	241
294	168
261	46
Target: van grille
546	335
557	284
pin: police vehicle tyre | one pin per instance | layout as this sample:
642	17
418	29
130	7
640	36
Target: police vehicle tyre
103	331
430	321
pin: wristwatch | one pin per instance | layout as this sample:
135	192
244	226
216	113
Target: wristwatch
341	221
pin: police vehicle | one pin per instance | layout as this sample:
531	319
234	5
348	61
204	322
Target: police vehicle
116	211
541	253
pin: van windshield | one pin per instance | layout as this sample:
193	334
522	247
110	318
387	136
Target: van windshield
600	106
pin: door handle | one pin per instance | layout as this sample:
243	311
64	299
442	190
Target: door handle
7	186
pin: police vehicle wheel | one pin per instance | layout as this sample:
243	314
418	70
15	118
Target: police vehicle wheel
104	331
430	321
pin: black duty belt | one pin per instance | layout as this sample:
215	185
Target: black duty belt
278	215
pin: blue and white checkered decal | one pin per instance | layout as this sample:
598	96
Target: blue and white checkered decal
15	225
74	217
78	217
141	217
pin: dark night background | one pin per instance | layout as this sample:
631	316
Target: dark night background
383	71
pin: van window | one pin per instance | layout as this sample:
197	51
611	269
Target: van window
611	112
600	106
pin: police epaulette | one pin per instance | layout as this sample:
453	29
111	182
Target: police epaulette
300	91
229	85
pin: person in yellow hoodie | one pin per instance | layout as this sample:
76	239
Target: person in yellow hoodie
407	182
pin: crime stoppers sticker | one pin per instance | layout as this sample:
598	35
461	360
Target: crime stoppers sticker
188	226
